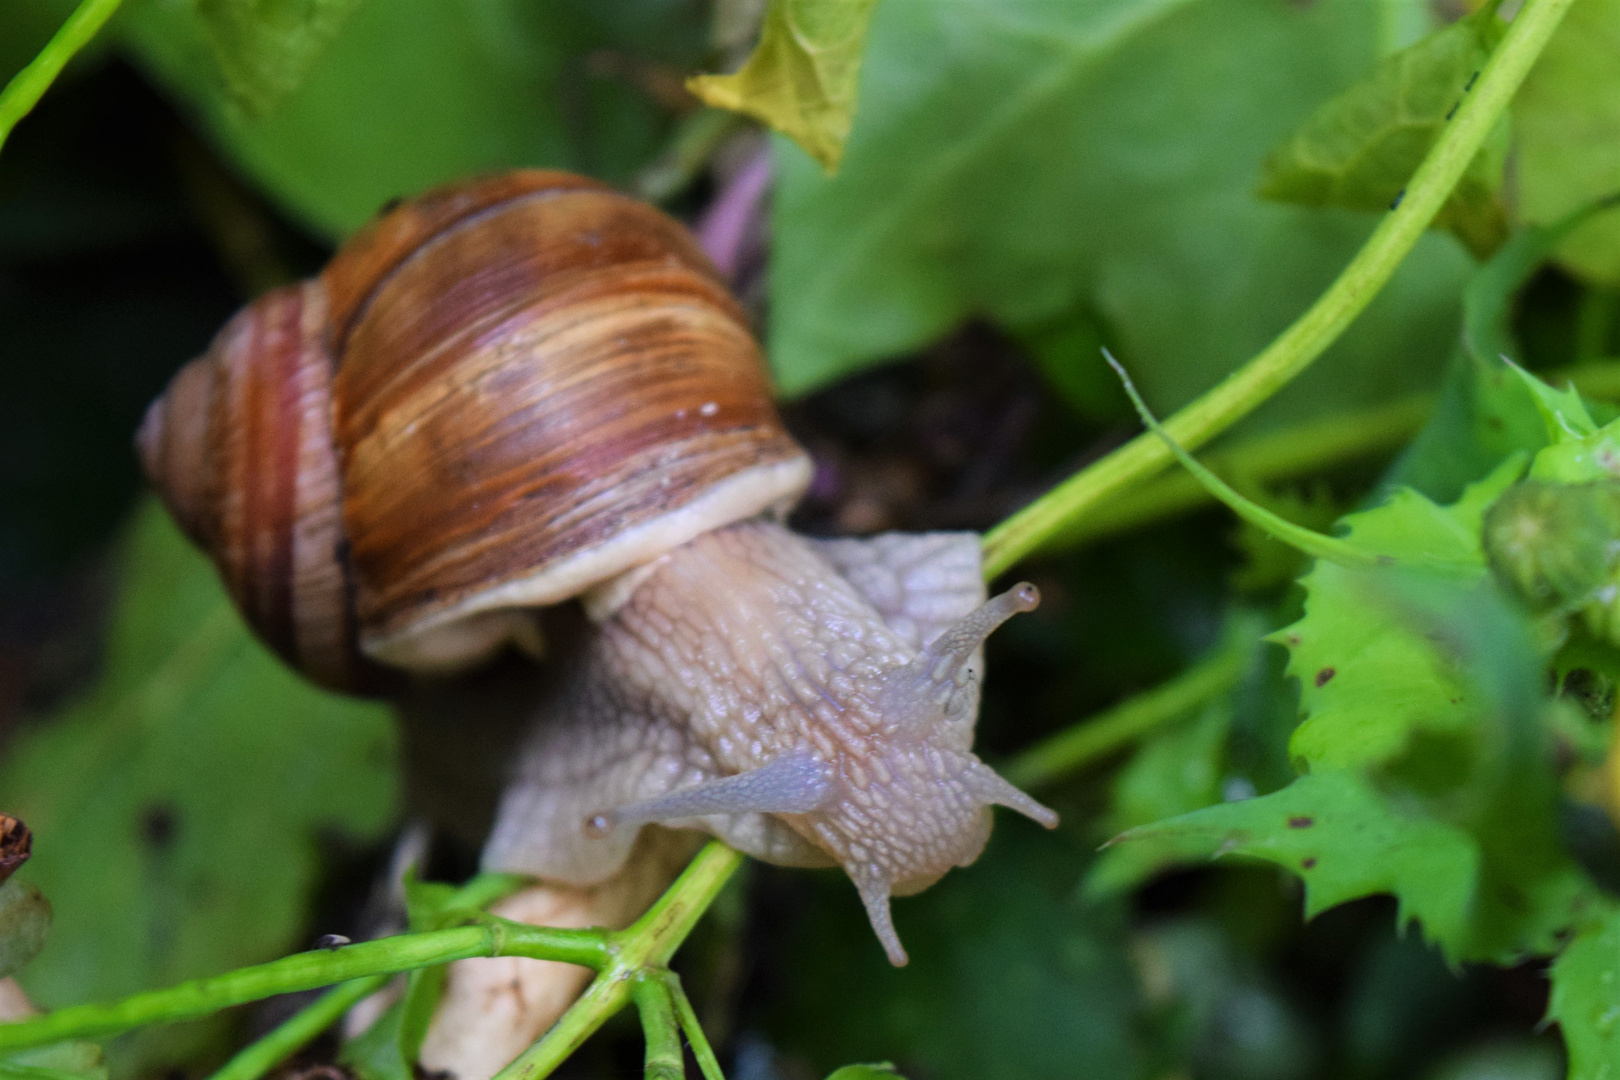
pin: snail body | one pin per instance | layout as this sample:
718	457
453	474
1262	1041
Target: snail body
529	389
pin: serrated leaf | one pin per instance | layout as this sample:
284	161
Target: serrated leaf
1585	1000
1486	410
1341	838
1567	136
1368	682
1174	773
264	48
177	805
1034	163
1360	149
802	77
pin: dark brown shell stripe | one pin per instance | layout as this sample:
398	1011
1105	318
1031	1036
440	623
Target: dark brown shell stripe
255	482
465	469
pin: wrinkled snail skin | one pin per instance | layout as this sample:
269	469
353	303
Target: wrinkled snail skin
748	687
526	389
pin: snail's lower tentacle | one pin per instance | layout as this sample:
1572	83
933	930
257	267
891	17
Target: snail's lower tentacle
795	783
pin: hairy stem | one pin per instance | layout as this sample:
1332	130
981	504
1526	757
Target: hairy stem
1098	736
1296	347
25	89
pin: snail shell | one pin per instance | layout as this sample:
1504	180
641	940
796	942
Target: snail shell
495	397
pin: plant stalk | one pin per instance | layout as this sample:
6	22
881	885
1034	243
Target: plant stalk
307	971
647	944
1098	736
1321	324
25	89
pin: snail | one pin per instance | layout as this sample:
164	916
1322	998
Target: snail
528	389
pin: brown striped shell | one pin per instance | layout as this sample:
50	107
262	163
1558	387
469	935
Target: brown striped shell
497	396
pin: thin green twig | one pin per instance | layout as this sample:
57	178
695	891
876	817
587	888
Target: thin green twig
708	1064
1096	737
25	89
264	1054
307	971
1296	347
1300	450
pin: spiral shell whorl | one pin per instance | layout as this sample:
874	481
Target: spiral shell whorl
240	449
536	393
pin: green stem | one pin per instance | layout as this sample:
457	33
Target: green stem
665	1059
1296	347
707	1062
647	943
1098	736
259	1057
307	971
25	89
272	1049
1302	450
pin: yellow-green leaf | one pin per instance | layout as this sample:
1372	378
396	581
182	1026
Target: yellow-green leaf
801	77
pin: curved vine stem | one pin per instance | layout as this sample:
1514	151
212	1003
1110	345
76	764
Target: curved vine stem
1296	347
25	89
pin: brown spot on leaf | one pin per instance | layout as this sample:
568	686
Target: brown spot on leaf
1293	640
16	844
1324	675
1307	862
1301	822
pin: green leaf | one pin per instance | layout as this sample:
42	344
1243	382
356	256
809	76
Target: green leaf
1567	123
1341	837
264	48
411	95
1360	149
378	1053
1584	1002
1369	681
1034	163
1486	410
25	918
880	1071
177	805
1175	773
801	78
